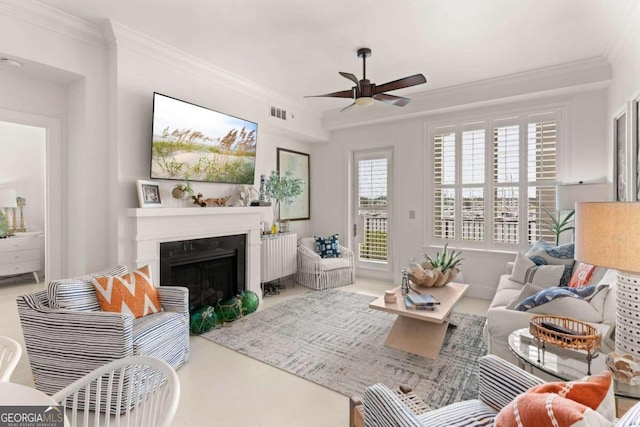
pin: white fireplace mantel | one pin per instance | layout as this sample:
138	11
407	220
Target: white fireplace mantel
154	226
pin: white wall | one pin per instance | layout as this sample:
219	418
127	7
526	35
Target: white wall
137	75
22	163
624	89
584	156
74	59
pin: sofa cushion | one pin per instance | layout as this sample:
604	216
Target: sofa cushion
333	263
581	275
507	291
609	312
586	402
574	302
78	293
527	271
132	293
543	253
527	291
467	413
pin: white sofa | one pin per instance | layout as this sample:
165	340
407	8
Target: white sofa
501	321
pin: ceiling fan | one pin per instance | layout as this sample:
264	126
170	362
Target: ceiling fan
364	92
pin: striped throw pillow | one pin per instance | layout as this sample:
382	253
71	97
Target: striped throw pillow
132	293
587	402
78	293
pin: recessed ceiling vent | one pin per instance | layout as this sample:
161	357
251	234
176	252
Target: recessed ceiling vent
278	113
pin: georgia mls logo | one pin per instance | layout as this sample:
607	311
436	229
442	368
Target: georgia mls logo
31	416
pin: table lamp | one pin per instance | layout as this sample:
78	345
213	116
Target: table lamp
8	201
608	235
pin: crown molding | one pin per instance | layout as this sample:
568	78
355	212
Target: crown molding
562	79
144	45
626	30
54	20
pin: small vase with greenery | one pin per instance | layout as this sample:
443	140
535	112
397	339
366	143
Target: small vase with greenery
283	189
182	191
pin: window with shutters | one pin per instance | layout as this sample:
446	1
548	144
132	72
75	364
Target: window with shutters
373	204
491	181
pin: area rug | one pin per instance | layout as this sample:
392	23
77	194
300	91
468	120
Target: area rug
334	339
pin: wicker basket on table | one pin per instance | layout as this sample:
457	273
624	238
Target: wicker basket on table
582	335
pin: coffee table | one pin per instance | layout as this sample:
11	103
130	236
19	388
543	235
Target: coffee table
421	332
562	363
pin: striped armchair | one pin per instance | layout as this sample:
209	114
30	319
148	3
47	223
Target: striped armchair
67	335
500	383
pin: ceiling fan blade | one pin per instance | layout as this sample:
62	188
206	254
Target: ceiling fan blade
341	94
414	80
392	99
350	77
347	107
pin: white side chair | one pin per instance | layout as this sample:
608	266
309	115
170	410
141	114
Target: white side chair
10	352
136	391
319	273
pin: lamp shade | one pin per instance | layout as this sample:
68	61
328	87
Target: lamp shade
568	195
8	198
608	235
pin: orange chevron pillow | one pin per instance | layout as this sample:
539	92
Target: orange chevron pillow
132	293
587	402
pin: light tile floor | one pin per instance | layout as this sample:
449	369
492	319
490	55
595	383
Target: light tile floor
222	387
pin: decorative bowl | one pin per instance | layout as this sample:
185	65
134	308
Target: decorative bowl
624	367
425	276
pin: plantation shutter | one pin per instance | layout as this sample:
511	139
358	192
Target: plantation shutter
506	173
542	162
473	177
373	179
444	158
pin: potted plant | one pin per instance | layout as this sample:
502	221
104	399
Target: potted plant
558	224
182	191
438	270
284	189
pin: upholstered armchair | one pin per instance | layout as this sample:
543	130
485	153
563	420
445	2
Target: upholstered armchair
500	383
67	335
319	273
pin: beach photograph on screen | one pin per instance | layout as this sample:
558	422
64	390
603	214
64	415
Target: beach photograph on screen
197	144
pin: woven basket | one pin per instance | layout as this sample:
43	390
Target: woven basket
586	336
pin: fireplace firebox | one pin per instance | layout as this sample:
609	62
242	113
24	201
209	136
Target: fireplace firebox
211	268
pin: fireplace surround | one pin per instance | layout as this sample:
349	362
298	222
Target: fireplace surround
212	268
152	227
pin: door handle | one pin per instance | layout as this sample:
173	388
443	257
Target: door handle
355	230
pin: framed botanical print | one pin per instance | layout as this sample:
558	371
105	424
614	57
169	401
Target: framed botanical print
620	156
298	165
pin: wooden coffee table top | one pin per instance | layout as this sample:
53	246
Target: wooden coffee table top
448	295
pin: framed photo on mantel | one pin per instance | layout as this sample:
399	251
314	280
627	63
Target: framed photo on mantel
149	194
298	165
620	156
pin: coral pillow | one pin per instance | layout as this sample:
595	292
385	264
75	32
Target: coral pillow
132	293
582	275
588	402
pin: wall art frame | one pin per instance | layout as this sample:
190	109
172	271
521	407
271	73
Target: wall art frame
635	137
620	155
149	194
297	164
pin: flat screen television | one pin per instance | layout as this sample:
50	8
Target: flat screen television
195	143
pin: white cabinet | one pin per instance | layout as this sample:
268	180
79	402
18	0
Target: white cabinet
278	257
22	254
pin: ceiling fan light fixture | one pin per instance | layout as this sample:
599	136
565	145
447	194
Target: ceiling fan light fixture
364	101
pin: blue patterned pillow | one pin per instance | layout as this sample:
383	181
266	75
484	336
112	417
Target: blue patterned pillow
328	247
549	294
543	253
